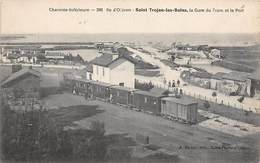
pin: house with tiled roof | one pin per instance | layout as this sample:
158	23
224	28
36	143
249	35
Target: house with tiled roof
113	69
24	83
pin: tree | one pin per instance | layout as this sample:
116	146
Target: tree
34	136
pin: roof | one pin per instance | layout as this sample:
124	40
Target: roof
103	60
93	82
153	94
255	75
19	74
107	59
201	74
54	54
182	100
157	90
98	83
13	56
237	76
218	75
122	88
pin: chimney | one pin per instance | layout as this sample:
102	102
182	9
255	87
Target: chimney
16	67
115	56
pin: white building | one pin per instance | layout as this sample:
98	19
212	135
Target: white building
111	68
215	53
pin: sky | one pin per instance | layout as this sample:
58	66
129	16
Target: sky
33	16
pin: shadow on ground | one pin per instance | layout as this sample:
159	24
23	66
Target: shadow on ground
67	115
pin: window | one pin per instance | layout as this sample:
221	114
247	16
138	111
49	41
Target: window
121	84
103	71
97	69
145	100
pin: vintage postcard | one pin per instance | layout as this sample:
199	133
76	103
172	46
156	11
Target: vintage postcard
130	81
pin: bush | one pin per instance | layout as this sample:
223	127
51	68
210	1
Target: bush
33	136
241	99
143	86
214	94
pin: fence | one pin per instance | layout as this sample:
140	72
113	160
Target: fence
215	100
220	101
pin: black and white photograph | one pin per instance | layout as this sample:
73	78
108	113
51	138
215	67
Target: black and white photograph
121	81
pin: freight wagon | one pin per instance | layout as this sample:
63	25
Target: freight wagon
148	101
122	95
180	108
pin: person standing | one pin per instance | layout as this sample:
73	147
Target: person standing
173	83
178	82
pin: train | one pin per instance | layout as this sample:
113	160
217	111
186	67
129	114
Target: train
181	109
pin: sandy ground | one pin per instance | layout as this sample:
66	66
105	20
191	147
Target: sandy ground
194	143
226	125
249	104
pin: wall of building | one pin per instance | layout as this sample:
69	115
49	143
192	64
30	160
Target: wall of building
122	71
89	76
101	73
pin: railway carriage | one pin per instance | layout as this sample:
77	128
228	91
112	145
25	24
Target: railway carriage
122	95
98	90
148	101
80	86
154	102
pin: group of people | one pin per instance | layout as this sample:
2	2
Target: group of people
172	84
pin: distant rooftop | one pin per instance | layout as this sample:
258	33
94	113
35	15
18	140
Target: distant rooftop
237	76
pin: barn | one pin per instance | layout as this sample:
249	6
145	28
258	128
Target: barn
122	95
148	101
180	108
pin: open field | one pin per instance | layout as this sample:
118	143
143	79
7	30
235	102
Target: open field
193	143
